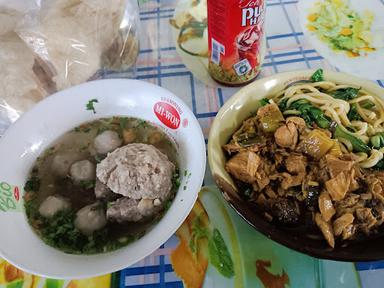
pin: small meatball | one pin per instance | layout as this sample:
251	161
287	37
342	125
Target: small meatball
103	192
61	163
53	204
129	136
286	136
83	170
90	219
107	142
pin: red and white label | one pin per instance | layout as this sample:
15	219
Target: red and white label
167	114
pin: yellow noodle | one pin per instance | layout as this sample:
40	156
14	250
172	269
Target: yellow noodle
362	126
332	112
361	156
362	114
346	143
378	122
291	112
337	110
361	98
372	160
378	130
337	87
309	97
293	89
344	119
364	138
327	85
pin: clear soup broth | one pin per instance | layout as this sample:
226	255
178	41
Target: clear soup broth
72	207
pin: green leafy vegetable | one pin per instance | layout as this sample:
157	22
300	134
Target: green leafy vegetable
345	93
377	140
353	115
379	165
60	231
317	76
142	124
82	129
31	209
219	255
283	104
167	204
16	284
176	182
88	184
357	144
264	101
123	122
91	105
367	105
33	184
54	283
197	233
98	158
101	129
312	114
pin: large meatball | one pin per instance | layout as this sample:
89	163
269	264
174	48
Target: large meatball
137	171
90	219
107	142
83	170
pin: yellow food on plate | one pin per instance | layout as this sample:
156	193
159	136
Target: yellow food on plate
342	28
189	265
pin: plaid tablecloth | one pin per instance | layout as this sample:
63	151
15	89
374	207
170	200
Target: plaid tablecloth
159	63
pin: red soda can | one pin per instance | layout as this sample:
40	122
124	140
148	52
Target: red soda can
236	40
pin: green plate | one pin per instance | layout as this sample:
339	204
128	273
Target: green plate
261	262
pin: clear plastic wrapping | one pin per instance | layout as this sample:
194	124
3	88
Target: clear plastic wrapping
50	45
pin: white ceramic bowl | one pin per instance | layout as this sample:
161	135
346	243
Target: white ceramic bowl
25	140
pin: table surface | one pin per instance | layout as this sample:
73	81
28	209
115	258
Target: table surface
159	63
